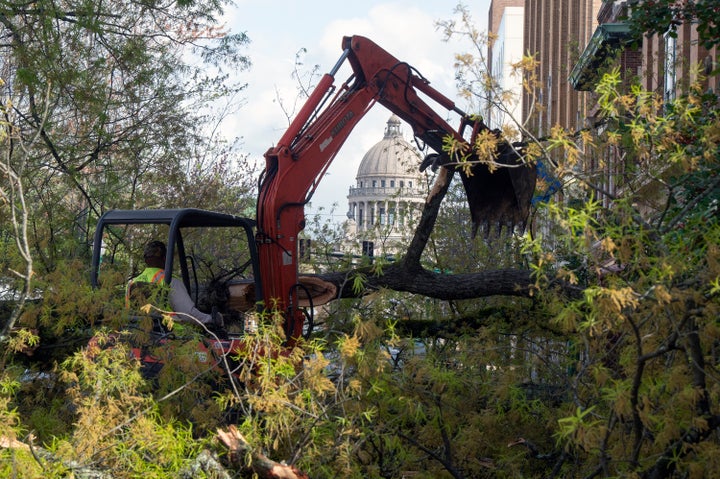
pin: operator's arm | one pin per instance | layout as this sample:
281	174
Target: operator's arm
181	302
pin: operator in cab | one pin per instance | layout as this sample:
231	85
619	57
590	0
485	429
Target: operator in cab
179	299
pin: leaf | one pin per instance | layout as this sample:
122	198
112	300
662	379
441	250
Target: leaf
358	284
348	346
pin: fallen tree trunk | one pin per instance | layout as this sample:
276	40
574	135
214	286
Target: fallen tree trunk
43	456
399	277
409	276
205	464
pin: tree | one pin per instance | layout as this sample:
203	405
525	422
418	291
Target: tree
106	106
602	363
629	361
643	321
617	380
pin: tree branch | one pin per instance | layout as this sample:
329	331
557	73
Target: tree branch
427	219
416	280
260	464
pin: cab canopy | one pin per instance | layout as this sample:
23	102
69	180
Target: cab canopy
176	220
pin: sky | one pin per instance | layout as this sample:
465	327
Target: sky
278	29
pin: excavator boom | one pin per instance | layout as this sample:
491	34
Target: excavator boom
294	167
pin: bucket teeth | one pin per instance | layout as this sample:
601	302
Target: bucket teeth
503	197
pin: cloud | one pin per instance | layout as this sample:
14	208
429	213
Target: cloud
406	31
410	35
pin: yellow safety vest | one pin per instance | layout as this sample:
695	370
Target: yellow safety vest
149	275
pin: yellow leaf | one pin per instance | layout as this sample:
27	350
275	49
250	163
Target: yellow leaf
662	295
348	346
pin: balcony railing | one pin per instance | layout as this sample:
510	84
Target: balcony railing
389	192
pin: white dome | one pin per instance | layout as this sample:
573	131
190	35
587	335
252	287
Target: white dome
391	156
389	192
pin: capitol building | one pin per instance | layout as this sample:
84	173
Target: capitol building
388	195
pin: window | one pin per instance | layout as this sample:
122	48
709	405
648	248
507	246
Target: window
374	183
391	216
669	66
371	220
360	217
368	248
410	184
361	184
402	183
381	216
382	183
392	183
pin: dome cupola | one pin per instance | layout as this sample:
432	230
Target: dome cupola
391	156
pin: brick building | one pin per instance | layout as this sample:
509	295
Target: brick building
574	41
556	32
663	63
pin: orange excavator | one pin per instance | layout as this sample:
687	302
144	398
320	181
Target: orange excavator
302	156
298	162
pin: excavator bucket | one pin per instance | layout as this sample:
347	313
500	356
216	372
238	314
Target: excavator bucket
501	197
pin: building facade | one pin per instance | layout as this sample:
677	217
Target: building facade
556	32
664	64
505	26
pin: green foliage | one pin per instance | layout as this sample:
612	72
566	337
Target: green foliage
16	457
113	422
110	111
609	369
645	326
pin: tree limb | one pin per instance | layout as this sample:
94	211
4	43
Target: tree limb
42	455
416	280
409	276
427	219
260	464
666	465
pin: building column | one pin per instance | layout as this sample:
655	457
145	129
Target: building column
361	215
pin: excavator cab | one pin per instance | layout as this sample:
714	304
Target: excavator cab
215	256
213	253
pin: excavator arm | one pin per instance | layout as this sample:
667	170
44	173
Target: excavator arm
295	166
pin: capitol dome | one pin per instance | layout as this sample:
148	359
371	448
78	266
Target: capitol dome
391	156
389	190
